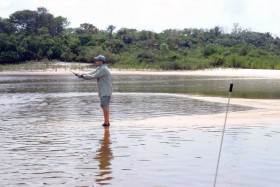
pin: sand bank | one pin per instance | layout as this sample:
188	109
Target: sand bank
257	73
266	112
246	73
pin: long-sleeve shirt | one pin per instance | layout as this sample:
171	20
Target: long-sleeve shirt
104	80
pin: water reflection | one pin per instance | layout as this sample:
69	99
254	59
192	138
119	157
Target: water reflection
104	156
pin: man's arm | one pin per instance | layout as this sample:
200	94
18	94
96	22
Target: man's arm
95	74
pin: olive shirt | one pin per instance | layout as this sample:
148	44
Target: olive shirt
104	80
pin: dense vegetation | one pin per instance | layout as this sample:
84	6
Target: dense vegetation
37	35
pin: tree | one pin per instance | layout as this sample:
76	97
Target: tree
87	28
24	21
216	31
114	45
145	35
6	26
164	48
126	35
66	54
58	24
9	52
43	31
30	22
236	28
84	39
110	30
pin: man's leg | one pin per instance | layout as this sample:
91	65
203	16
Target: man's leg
106	115
105	102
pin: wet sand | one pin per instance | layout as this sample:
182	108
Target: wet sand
267	111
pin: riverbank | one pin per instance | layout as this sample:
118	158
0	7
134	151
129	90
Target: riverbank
249	73
227	72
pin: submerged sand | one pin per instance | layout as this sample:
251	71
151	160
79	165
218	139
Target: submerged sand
266	111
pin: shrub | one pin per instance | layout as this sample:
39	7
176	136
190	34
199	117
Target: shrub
146	56
208	50
173	65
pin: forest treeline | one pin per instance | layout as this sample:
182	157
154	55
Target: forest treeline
38	35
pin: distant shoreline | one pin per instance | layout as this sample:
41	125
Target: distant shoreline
245	73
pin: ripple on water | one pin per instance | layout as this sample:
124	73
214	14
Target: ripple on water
46	139
58	106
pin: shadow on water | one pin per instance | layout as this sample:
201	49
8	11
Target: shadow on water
104	156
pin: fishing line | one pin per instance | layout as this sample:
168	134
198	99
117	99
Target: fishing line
8	43
222	139
24	49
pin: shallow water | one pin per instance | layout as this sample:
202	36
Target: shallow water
83	154
50	135
212	86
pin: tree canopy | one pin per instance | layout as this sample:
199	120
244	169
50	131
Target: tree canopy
36	35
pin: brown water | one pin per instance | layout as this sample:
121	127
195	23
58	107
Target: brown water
50	135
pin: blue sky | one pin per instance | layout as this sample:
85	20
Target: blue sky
158	15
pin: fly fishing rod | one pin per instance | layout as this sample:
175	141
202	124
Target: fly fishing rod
222	139
76	74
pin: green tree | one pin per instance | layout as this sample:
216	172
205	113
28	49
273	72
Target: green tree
110	29
29	22
25	21
164	48
87	28
126	35
114	45
6	26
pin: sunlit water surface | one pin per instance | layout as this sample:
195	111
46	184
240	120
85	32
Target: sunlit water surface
51	135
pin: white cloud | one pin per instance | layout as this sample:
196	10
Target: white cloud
157	15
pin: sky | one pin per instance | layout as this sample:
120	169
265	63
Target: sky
158	15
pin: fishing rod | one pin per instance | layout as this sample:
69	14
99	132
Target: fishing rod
222	139
76	74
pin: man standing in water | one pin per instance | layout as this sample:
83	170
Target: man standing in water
104	83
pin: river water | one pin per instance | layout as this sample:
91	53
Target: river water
51	135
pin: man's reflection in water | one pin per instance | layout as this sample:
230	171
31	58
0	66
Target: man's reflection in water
104	156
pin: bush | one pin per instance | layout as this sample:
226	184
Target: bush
217	60
244	50
114	45
146	56
174	65
235	61
208	50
